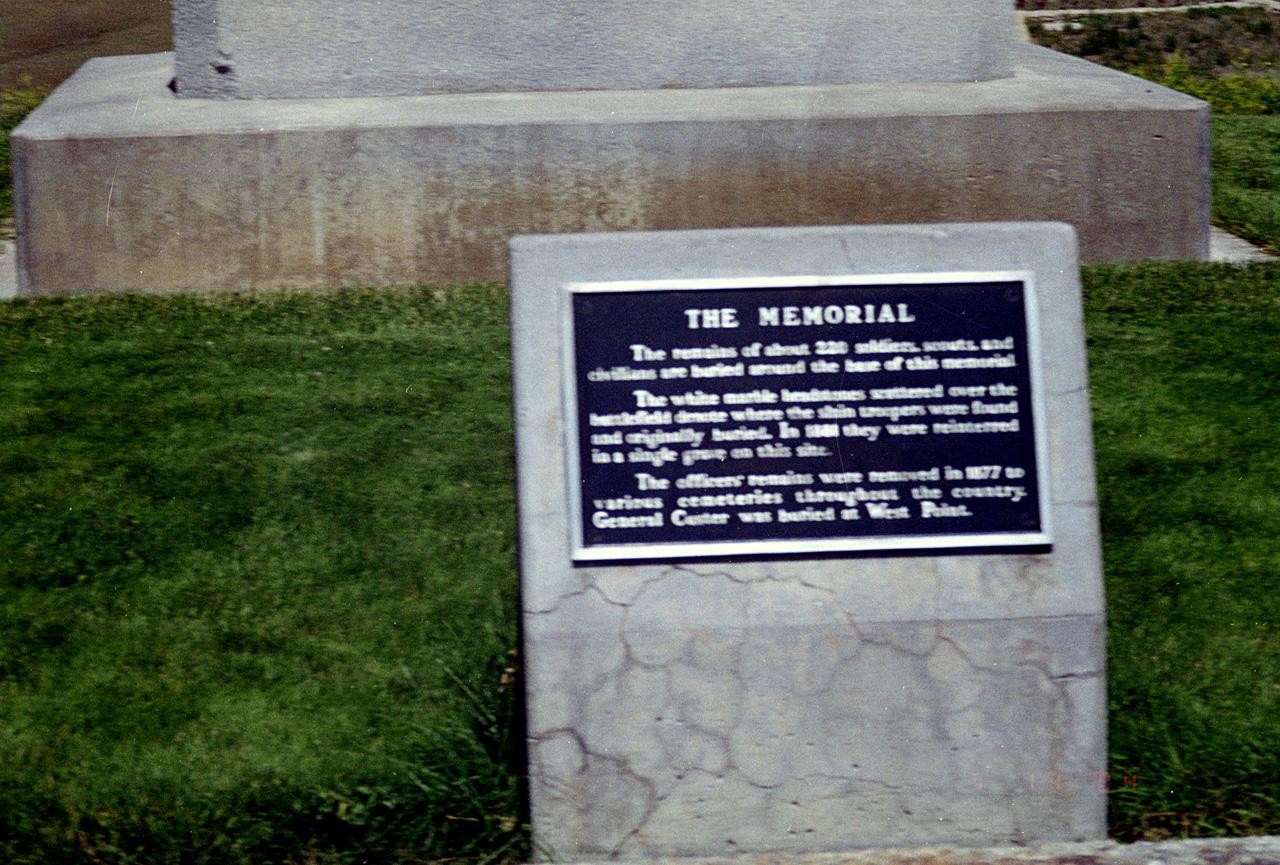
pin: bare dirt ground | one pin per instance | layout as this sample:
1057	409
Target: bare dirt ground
1216	39
49	39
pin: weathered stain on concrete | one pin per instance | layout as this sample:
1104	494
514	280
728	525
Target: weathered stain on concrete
121	186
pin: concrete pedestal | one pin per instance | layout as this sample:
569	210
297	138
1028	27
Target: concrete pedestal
801	704
123	186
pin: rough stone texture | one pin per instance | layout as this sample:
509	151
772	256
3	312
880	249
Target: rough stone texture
1260	850
708	708
299	48
121	186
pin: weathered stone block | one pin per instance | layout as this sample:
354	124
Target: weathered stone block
121	186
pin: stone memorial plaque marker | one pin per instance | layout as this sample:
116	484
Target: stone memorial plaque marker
809	548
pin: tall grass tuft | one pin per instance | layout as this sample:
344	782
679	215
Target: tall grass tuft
15	104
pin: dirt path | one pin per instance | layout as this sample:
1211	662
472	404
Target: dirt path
50	39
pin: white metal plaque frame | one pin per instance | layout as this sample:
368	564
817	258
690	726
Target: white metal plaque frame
581	552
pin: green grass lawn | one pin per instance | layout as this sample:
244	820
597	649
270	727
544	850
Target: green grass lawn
1246	177
1185	379
257	579
256	576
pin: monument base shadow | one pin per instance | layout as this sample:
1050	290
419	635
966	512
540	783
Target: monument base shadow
121	186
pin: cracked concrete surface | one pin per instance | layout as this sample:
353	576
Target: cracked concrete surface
707	713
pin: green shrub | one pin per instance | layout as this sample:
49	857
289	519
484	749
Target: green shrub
15	104
1237	93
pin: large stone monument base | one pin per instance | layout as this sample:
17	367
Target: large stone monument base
122	186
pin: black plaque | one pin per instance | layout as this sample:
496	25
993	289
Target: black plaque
720	418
